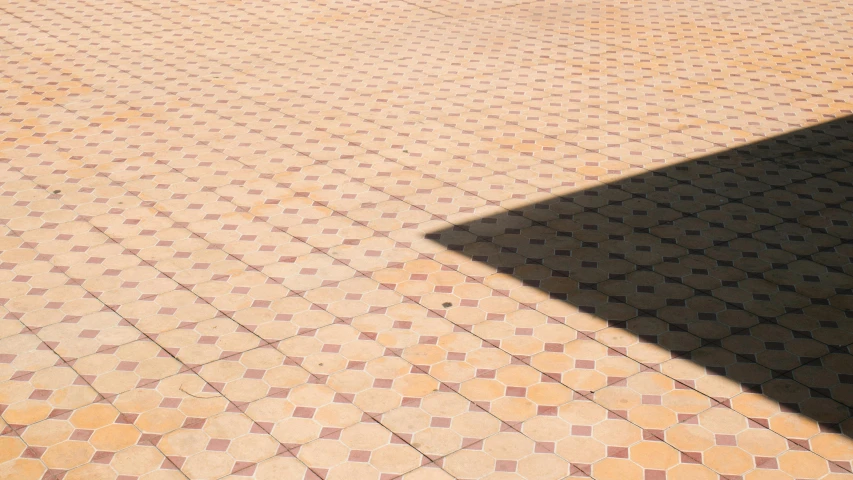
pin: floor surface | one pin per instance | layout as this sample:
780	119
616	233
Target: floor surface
426	239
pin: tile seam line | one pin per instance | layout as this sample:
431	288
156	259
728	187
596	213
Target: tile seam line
445	317
357	271
194	234
546	226
110	397
339	213
455	186
528	306
313	375
412	4
540	189
237	27
100	397
495	11
109	239
373	417
499	14
180	287
17	234
14	432
180	27
380	422
675	76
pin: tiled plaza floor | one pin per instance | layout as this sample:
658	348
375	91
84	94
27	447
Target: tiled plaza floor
426	239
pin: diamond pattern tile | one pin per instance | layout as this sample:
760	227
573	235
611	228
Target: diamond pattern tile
426	240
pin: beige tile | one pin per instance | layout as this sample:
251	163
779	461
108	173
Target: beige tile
425	240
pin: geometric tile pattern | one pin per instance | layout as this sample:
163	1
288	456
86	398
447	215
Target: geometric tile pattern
426	240
697	334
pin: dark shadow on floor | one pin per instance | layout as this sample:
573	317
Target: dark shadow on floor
741	262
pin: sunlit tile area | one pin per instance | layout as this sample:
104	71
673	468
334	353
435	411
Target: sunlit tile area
426	239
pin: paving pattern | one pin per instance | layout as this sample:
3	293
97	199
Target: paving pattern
426	239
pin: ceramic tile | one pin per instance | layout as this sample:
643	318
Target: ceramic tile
366	449
425	240
43	394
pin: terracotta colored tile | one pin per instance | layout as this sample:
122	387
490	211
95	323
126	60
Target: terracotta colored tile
441	423
298	415
44	394
364	449
425	240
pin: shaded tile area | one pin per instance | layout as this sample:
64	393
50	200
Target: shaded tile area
714	340
425	240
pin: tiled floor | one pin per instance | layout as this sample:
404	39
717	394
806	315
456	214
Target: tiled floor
428	239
